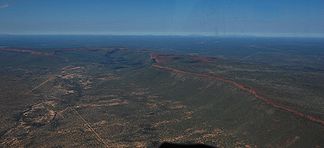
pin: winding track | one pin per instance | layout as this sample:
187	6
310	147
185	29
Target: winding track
242	87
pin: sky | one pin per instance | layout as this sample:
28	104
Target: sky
163	17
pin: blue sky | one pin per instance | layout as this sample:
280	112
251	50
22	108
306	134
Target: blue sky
166	17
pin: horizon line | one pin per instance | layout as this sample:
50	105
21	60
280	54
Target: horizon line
278	35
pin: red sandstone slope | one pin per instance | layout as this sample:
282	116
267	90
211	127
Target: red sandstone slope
243	87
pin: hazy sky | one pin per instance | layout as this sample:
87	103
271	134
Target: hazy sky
205	17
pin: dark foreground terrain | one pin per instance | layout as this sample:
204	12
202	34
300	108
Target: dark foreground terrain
238	95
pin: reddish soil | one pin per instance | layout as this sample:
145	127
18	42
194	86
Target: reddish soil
27	51
163	58
203	59
243	87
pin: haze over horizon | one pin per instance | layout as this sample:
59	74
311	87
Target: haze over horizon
162	73
167	17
